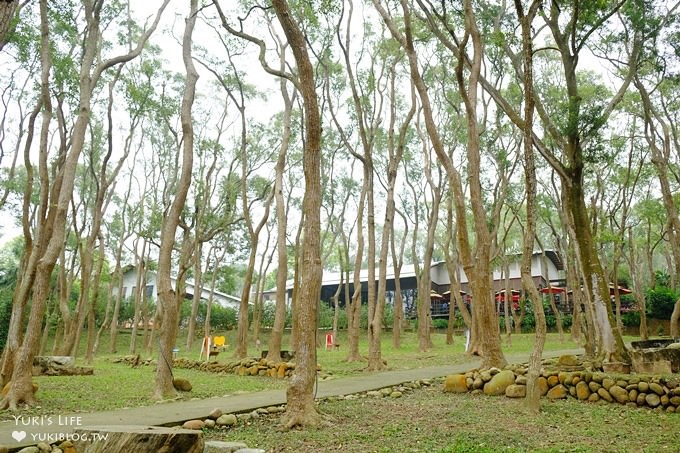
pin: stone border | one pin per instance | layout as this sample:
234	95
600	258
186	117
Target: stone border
564	381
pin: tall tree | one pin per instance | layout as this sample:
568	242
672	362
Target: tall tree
9	11
300	395
368	117
104	178
170	299
424	304
571	28
276	337
526	19
42	252
477	261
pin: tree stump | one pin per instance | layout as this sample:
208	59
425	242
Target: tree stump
135	438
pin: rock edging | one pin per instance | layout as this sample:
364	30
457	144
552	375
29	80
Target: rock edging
243	367
653	392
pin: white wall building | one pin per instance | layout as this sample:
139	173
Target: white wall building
130	287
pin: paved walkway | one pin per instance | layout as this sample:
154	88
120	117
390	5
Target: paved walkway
39	429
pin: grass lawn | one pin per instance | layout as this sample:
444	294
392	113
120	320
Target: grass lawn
428	420
422	420
115	385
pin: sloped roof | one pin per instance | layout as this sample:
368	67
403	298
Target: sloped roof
407	270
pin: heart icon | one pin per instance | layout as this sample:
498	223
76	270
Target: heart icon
19	435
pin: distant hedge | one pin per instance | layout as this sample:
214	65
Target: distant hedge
660	302
5	314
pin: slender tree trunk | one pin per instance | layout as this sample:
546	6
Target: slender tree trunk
8	14
507	303
336	296
396	152
533	392
32	249
675	320
46	329
49	241
118	280
168	299
354	311
107	318
425	282
196	301
276	338
661	157
299	395
140	266
488	331
453	269
258	309
397	261
551	300
241	348
613	348
92	327
485	326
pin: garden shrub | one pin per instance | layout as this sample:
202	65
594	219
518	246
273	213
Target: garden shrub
660	302
5	314
326	313
222	318
631	319
440	323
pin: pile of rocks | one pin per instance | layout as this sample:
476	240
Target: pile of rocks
218	419
243	367
134	360
65	446
656	392
396	391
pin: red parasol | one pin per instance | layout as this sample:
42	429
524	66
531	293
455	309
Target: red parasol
553	290
622	291
500	295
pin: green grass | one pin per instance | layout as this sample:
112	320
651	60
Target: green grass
117	385
428	420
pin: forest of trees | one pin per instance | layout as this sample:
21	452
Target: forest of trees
241	144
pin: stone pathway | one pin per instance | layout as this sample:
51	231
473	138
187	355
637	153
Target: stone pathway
24	431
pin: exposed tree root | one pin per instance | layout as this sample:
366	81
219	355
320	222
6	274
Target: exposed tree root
16	399
352	359
303	419
160	395
382	366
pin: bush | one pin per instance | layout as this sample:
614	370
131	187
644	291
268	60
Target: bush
440	323
222	318
529	321
326	313
631	319
268	315
458	321
388	316
325	317
5	314
567	320
660	302
363	322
